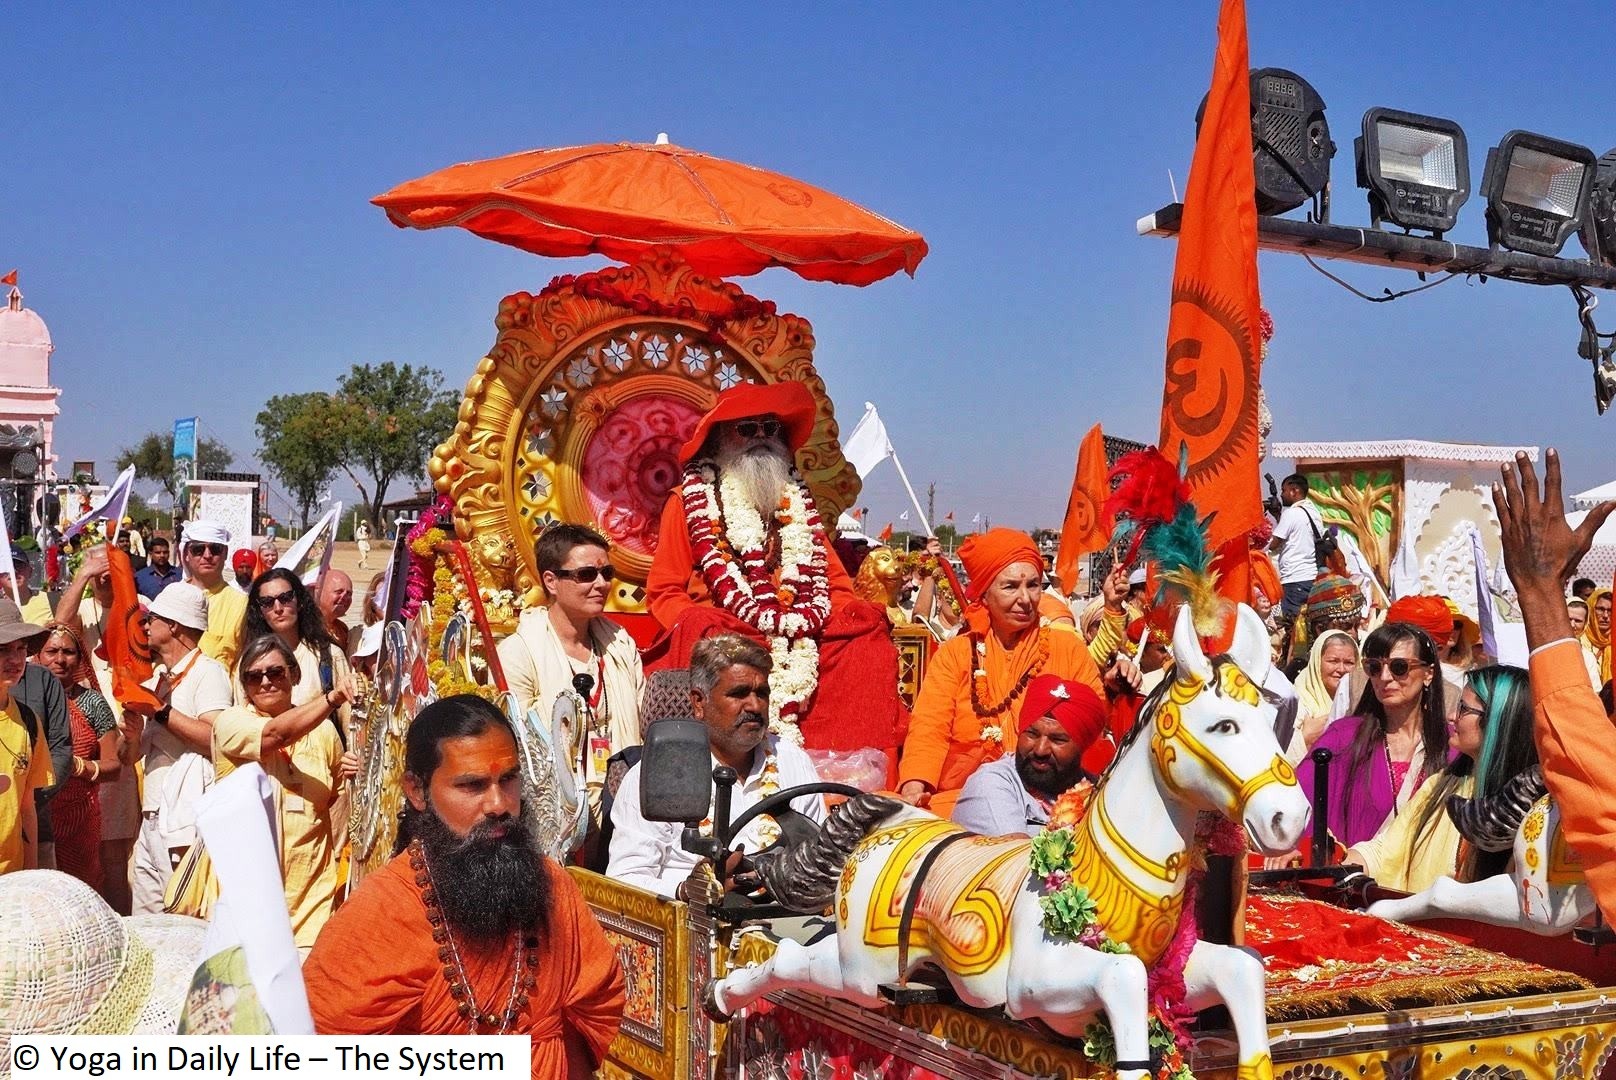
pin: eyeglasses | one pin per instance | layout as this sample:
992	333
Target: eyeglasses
1400	667
266	600
586	575
1471	710
757	429
264	675
215	550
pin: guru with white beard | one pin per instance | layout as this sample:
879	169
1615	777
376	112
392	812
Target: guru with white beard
742	549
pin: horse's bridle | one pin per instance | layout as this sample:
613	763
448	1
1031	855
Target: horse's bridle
1170	733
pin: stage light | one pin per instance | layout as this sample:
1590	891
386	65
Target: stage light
1537	192
1290	140
1417	169
1598	232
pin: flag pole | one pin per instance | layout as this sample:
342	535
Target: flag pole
913	498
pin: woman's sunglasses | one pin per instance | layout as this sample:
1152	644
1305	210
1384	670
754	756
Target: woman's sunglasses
264	675
757	429
1400	667
265	600
586	575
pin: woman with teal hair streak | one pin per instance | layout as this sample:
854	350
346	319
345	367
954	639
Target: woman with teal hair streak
1492	735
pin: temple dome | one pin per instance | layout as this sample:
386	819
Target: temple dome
22	326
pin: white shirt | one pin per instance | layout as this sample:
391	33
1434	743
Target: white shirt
176	775
1296	562
647	855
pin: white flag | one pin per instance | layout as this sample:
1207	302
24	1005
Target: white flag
1405	568
976	519
904	516
6	566
868	446
1484	596
298	554
111	508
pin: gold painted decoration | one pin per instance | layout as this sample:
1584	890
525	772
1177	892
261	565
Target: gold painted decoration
579	410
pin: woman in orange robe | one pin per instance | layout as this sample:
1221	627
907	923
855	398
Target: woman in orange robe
967	708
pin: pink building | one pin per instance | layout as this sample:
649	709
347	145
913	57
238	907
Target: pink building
28	406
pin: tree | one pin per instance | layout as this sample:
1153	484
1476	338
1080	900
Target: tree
301	441
391	417
153	459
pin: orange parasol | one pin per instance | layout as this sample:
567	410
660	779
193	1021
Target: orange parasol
620	199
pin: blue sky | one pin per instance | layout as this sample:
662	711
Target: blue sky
186	192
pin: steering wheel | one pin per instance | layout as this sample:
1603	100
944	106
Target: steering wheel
796	828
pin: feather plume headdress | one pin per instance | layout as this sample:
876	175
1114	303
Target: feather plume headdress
1159	525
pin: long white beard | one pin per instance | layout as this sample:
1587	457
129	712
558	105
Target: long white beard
760	472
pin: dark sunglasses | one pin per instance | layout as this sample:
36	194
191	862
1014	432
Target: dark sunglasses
266	600
1400	667
264	675
757	429
216	550
586	575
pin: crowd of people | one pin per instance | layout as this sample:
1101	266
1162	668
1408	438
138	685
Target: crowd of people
762	638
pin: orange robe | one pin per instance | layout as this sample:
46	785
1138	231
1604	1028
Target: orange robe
856	704
1576	742
675	583
944	745
375	971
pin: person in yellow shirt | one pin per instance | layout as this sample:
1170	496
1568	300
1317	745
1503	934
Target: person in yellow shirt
205	551
298	746
25	763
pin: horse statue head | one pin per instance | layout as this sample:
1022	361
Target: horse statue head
1212	734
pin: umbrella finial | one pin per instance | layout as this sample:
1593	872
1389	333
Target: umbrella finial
662	138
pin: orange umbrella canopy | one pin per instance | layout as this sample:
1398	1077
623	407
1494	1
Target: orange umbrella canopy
619	199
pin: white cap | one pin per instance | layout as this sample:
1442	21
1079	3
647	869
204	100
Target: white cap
370	641
205	532
183	603
1137	577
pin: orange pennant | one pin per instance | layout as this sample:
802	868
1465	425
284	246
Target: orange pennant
886	533
9	279
1214	360
1086	528
128	652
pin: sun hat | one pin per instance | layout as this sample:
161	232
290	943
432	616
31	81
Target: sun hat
180	602
789	401
70	966
13	627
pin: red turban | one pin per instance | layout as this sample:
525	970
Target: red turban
1428	613
1075	705
986	555
1265	577
244	560
788	401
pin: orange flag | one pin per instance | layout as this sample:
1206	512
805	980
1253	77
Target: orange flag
9	279
1214	359
124	642
886	533
1086	529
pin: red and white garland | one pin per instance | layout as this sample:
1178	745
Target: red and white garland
727	537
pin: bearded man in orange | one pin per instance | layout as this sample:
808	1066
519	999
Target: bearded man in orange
742	550
470	929
968	709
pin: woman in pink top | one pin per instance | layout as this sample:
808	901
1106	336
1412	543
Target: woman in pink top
1397	736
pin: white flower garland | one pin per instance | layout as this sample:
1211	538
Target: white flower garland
728	537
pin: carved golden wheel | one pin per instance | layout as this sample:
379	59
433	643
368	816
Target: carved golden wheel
579	410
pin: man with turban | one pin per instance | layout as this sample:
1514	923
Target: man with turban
1011	795
741	549
968	709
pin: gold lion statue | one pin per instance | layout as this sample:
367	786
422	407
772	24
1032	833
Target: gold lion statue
879	578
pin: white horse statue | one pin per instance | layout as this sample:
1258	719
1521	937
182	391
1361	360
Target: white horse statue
1543	892
1204	743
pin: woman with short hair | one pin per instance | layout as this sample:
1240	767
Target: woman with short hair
302	754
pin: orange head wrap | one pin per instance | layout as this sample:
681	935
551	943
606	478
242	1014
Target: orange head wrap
1428	613
986	555
1075	706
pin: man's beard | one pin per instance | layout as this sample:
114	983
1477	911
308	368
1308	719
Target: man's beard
1051	784
761	472
487	887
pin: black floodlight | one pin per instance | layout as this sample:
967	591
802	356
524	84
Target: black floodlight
1599	223
1537	192
1290	140
1417	169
